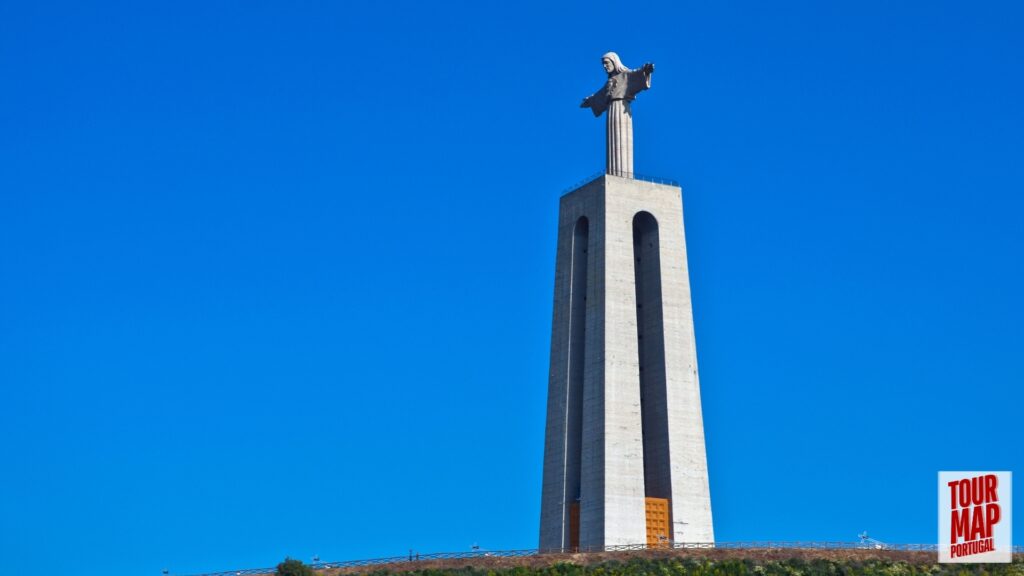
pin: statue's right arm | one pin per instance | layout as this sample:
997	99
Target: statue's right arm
596	102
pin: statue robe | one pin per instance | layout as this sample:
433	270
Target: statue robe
621	86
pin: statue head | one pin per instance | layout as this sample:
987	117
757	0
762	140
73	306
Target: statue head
612	64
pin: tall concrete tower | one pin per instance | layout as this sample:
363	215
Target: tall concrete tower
624	457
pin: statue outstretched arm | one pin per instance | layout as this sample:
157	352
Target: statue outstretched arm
640	79
597	102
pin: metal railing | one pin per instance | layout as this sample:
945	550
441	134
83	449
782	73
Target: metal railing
630	175
751	545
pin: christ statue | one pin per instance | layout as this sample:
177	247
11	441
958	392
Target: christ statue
615	97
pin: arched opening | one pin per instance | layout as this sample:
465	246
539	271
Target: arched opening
574	389
653	393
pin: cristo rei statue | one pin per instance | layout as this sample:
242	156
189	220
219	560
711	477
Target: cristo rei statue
618	92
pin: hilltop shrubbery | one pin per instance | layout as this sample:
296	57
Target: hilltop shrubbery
292	567
693	567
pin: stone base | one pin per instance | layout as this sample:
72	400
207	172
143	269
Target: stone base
624	418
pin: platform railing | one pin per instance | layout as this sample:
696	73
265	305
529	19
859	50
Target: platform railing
745	545
629	175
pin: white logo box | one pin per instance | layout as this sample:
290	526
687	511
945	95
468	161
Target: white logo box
975	517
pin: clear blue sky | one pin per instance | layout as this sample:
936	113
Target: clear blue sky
276	278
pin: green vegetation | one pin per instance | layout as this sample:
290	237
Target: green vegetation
692	567
292	567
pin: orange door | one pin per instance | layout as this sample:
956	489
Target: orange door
574	527
659	522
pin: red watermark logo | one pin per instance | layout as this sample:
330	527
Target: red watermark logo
975	517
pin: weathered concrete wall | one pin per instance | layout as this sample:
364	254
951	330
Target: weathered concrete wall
610	473
560	474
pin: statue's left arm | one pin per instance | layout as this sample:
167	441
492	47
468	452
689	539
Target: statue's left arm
640	79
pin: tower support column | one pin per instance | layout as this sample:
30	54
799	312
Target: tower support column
624	419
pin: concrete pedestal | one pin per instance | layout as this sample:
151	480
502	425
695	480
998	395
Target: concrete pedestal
624	417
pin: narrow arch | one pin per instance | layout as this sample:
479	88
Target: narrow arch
650	327
574	389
